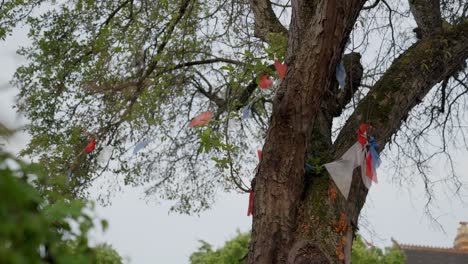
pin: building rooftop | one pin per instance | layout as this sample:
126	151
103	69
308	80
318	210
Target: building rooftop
417	254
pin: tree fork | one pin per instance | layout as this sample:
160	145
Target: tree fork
315	44
318	227
320	219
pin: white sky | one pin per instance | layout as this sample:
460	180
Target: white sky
146	233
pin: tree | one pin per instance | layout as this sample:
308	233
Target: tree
235	251
361	254
35	231
135	72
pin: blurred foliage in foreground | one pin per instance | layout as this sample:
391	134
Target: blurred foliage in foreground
33	229
235	251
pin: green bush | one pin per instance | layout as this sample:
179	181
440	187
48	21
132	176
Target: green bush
235	251
35	230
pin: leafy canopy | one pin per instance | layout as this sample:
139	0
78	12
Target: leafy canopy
125	71
129	71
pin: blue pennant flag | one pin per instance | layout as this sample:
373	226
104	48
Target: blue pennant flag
308	168
246	112
140	145
341	74
376	161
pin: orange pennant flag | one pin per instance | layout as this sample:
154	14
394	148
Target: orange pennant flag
201	120
281	69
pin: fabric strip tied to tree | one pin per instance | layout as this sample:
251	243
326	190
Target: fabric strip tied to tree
251	196
201	120
363	153
281	69
90	147
373	159
265	82
341	75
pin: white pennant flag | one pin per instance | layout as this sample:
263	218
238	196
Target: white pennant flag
341	170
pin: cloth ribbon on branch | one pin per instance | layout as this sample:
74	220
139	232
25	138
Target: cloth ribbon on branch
201	120
362	134
265	82
309	168
251	197
251	193
90	147
363	153
140	145
246	112
281	69
341	74
372	160
259	154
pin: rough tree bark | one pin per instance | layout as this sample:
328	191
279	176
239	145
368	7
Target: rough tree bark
306	220
317	35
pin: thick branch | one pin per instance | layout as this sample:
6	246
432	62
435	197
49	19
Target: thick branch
266	20
427	16
333	104
354	72
376	3
405	84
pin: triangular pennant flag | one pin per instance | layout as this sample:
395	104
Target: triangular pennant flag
250	208
259	154
308	168
341	75
201	120
362	134
246	112
105	154
281	69
341	170
265	82
373	161
140	145
370	170
90	147
367	182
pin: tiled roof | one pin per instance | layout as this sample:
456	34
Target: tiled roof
429	248
433	255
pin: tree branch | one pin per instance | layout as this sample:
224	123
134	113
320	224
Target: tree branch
207	61
405	84
266	20
354	72
376	3
427	16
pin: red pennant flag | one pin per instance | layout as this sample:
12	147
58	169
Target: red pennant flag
265	82
370	171
369	166
201	120
251	196
90	147
362	134
260	154
281	69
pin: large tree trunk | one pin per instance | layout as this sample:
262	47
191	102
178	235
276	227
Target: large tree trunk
318	32
307	220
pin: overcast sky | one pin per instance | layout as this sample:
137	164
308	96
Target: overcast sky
146	233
